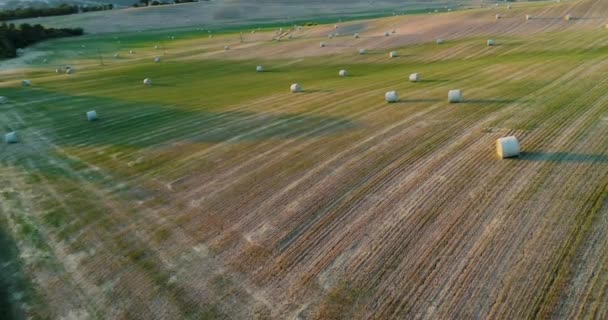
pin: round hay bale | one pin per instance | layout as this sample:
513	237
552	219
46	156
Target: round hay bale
11	137
391	97
490	42
26	83
528	17
157	59
156	47
361	51
440	41
343	73
568	17
507	147
331	35
509	7
116	56
356	36
226	48
131	52
92	115
3	100
386	34
259	69
322	44
69	71
455	96
415	77
295	88
498	16
336	26
393	54
58	70
148	81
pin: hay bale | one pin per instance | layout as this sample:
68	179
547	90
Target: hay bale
498	16
490	42
393	54
259	69
10	137
415	77
116	56
343	73
455	96
507	147
26	83
295	88
331	35
361	51
386	34
58	70
226	48
509	7
528	17
148	81
391	96
568	17
322	44
3	100
91	115
356	36
157	59
69	71
156	47
131	52
440	41
336	27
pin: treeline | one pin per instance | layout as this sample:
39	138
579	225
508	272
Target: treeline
13	38
64	9
145	3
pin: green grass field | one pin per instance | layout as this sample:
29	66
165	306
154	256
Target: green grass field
217	193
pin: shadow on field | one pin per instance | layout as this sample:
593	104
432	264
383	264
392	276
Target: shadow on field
140	124
564	157
489	101
418	100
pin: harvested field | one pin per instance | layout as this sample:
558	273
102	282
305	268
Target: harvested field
217	193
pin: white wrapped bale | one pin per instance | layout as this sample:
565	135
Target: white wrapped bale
386	34
343	73
131	52
490	42
226	48
509	7
92	115
391	97
393	54
10	137
507	147
498	16
362	51
148	81
356	36
3	100
259	69
440	41
157	59
331	35
26	83
455	96
528	17
322	44
156	47
116	56
415	77
295	88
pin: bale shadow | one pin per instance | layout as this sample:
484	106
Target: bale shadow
489	101
404	101
564	157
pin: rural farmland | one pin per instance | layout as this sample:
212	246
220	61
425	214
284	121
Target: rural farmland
215	192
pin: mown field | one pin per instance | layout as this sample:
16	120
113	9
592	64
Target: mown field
217	193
